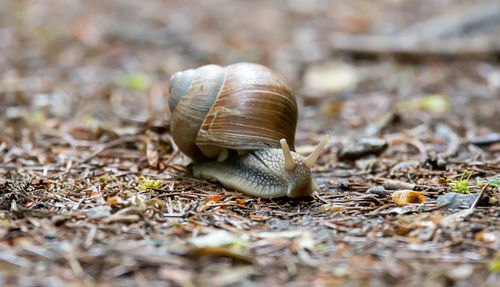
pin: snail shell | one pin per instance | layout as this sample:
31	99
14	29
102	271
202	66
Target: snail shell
245	116
239	107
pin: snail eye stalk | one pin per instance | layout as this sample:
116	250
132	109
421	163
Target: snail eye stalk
289	162
311	159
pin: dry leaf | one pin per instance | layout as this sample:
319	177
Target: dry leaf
178	276
215	198
218	238
485	236
130	218
115	200
258	217
330	208
403	197
222	251
304	241
95	193
331	77
127	199
155	203
152	155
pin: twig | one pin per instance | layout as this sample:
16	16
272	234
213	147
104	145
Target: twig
463	21
107	145
172	157
317	196
442	35
90	236
437	207
380	208
203	207
75	207
478	197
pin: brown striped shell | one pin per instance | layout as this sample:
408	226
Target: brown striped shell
238	107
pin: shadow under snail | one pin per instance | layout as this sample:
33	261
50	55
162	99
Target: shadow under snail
238	125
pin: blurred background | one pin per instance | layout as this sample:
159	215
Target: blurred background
84	125
106	64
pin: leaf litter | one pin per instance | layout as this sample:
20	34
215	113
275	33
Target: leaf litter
94	192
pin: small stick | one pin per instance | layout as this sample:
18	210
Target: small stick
478	197
174	154
316	195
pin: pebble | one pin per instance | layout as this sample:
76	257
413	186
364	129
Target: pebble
100	211
460	200
396	184
379	190
485	140
460	272
360	148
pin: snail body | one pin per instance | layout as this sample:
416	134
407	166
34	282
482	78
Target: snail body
238	124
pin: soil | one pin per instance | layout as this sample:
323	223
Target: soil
93	191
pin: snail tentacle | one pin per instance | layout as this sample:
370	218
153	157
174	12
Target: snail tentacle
311	159
289	162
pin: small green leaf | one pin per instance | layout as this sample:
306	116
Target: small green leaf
433	103
494	265
494	181
135	81
462	185
176	224
147	183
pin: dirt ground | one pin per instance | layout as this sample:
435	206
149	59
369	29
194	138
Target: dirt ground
93	192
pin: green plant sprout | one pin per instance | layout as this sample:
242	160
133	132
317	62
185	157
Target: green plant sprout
136	81
147	183
494	265
462	185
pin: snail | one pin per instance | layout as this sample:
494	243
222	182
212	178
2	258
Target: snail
238	124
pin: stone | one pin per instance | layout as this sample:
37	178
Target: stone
360	148
460	200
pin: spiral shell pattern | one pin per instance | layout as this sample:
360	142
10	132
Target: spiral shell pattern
239	107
